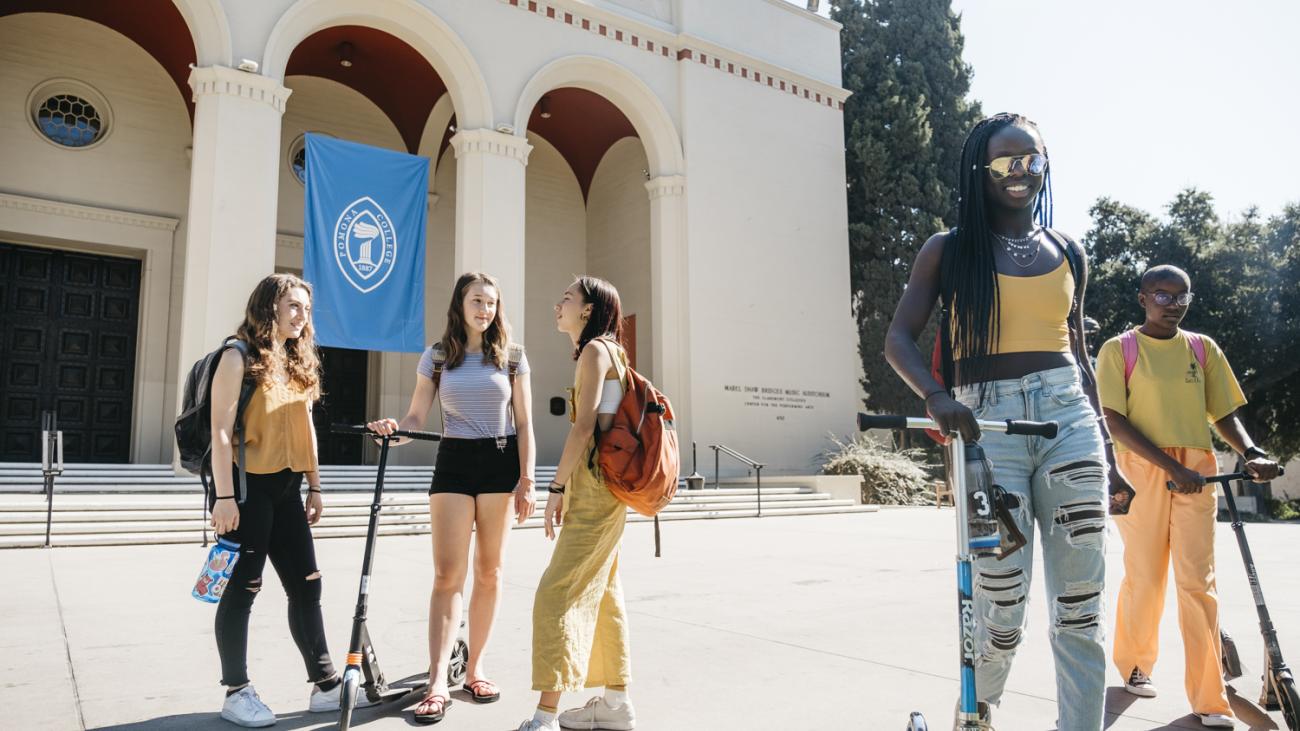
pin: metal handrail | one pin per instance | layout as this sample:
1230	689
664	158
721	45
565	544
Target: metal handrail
719	450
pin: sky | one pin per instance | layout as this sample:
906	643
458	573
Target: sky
1138	100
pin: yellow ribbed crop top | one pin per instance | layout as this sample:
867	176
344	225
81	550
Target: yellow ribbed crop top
1035	312
278	430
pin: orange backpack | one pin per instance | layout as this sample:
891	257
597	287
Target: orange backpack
638	455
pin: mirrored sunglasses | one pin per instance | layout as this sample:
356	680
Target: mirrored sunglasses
1001	167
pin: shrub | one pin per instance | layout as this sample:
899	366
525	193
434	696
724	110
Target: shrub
1284	509
888	477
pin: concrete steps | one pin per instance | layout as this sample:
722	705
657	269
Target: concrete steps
99	505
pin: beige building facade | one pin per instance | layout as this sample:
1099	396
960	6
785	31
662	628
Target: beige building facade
690	151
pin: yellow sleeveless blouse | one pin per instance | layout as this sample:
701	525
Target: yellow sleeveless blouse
278	431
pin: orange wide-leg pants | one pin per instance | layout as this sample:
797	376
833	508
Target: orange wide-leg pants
1162	524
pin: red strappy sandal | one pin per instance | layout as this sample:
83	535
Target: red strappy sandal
432	708
483	691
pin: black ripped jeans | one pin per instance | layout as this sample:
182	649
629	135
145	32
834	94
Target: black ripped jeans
272	523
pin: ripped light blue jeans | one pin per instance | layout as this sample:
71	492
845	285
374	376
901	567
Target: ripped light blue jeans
1059	485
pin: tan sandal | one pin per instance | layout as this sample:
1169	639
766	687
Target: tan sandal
432	708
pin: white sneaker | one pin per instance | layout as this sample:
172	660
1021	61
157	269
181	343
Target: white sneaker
1139	684
325	701
1217	720
245	708
597	714
533	724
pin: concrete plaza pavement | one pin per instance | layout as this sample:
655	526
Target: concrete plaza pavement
824	622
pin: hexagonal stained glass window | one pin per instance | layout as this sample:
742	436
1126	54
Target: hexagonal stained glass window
69	120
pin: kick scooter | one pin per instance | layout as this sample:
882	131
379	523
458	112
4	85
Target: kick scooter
362	660
1279	693
982	518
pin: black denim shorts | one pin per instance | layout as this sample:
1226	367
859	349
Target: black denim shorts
476	466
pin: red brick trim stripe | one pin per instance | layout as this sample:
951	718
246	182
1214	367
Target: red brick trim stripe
544	10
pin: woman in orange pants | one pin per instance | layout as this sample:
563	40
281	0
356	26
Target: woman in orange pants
1159	400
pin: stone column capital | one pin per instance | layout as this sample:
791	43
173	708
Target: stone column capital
490	142
666	186
221	80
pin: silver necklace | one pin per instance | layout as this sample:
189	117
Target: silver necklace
1022	250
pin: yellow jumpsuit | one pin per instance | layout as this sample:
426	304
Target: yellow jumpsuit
580	633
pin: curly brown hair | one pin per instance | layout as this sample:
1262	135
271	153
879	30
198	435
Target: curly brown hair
297	356
495	340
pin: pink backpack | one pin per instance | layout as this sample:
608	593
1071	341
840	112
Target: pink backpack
1129	344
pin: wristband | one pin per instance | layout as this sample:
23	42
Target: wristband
313	489
1255	453
225	497
933	393
555	488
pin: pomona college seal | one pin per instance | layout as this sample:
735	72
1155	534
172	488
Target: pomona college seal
365	244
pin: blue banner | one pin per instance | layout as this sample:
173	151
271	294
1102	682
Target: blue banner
363	251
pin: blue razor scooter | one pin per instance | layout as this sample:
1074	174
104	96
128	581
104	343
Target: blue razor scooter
984	528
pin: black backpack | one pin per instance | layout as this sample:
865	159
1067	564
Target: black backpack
194	425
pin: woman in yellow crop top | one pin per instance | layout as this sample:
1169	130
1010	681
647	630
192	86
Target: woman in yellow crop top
267	518
1014	349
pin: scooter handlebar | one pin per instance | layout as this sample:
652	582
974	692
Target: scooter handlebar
1047	429
1224	479
361	429
881	421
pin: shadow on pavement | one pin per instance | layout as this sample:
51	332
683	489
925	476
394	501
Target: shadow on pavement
1254	718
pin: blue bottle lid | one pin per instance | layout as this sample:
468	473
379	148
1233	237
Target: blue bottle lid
227	544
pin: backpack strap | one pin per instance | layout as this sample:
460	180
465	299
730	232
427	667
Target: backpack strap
245	395
1198	348
439	363
514	354
1128	343
1074	257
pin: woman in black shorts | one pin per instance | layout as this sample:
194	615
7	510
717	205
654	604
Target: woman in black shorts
485	466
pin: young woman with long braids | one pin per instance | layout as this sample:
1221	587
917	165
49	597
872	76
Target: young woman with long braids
1015	350
270	521
580	632
483	477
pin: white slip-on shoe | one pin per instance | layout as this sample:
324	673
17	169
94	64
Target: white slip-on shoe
598	714
325	701
245	708
1139	684
1216	720
533	724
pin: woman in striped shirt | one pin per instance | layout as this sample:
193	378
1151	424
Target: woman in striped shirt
485	467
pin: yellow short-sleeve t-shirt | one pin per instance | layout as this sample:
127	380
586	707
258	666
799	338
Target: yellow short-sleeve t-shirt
1169	399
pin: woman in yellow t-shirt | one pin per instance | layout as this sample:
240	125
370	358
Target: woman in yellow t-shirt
1159	409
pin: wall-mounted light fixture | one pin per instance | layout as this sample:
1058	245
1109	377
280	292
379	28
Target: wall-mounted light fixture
545	106
345	54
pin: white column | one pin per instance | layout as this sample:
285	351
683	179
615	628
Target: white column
234	182
490	172
669	299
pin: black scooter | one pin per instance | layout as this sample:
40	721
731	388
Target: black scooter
1279	693
362	661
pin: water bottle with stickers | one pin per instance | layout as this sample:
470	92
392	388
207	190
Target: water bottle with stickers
216	571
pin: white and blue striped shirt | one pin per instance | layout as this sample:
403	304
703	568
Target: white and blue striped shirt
475	396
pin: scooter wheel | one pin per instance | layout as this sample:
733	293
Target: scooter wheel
348	696
917	723
1289	699
458	666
